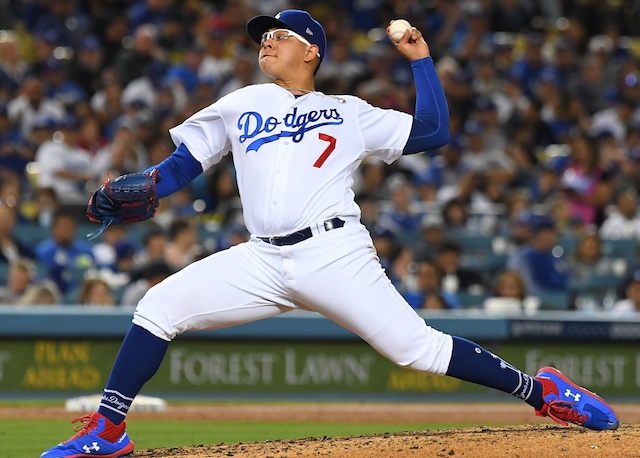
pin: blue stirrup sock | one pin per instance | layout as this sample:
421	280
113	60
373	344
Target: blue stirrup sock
138	360
472	363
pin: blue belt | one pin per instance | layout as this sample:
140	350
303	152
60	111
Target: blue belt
302	234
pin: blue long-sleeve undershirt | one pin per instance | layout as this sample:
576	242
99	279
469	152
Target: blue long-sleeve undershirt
430	129
176	171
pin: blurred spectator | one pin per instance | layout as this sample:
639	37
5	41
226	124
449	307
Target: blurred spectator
153	245
95	291
64	258
42	293
186	73
44	43
454	277
221	194
529	69
588	259
427	293
217	65
510	295
42	130
124	154
45	205
486	114
64	166
244	73
106	103
371	176
58	87
141	93
11	247
105	251
13	153
86	68
457	221
542	269
63	17
149	275
134	62
472	34
518	231
511	15
401	217
90	137
590	87
447	171
615	120
432	236
340	67
588	186
22	273
125	251
155	12
13	69
182	247
30	103
11	192
113	28
387	246
630	304
623	222
479	158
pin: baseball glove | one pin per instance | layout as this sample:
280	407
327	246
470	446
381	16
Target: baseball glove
127	199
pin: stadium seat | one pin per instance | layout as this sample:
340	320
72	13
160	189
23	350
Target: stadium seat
4	273
554	301
468	300
622	249
31	234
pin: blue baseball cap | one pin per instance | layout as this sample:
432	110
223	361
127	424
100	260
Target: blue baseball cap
69	122
542	222
299	21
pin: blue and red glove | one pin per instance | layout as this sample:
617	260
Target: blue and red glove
127	199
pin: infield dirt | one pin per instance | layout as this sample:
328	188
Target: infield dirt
529	436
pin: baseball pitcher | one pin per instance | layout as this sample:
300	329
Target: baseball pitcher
295	151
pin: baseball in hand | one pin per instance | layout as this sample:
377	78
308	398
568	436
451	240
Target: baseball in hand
397	29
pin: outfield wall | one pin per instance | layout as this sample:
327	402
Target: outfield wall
63	351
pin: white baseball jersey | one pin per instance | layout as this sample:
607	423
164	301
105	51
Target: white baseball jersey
294	157
294	160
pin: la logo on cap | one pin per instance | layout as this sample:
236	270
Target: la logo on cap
309	31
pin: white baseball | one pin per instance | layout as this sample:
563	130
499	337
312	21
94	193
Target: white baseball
397	29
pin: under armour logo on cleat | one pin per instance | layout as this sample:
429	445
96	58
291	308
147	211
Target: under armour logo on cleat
88	449
575	396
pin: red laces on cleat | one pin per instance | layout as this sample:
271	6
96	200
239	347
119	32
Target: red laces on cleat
562	412
89	425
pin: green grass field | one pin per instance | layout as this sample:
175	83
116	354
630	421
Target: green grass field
29	438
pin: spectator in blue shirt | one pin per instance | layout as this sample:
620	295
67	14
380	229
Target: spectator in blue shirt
544	270
62	255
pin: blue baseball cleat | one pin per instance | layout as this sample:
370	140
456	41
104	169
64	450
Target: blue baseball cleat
98	438
566	402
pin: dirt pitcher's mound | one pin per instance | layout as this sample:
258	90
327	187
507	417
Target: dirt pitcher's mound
536	441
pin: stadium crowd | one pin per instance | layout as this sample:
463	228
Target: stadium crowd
533	203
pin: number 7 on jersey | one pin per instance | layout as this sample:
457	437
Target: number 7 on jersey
329	149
